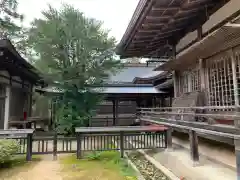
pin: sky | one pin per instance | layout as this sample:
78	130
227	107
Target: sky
115	14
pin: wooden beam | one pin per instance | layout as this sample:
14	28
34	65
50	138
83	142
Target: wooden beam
148	30
186	2
153	24
171	8
220	128
157	18
138	22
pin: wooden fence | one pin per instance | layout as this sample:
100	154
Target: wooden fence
93	139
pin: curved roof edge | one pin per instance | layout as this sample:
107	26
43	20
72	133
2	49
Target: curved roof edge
134	20
162	74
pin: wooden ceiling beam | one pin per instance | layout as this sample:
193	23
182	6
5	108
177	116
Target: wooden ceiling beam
157	18
165	8
148	25
144	36
148	30
184	5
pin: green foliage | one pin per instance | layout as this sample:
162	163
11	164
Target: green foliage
10	24
107	160
94	156
7	149
9	13
75	52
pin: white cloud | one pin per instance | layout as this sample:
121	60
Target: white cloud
115	14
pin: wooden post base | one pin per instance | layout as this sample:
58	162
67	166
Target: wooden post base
237	153
194	147
169	139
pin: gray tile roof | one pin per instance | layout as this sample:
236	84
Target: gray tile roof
114	90
127	74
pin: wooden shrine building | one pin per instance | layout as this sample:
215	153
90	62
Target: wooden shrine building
161	81
201	40
17	80
122	96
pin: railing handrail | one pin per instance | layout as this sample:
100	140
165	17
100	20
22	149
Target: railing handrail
16	132
195	107
112	129
237	115
223	134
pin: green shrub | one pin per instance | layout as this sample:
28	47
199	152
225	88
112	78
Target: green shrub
94	156
7	149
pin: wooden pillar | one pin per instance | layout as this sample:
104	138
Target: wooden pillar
168	137
79	146
30	102
122	144
174	76
138	106
154	102
235	83
237	120
194	146
202	75
29	147
114	112
7	107
55	145
199	33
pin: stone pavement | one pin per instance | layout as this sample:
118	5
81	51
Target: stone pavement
179	162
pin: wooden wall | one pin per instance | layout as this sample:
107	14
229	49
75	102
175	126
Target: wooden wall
104	114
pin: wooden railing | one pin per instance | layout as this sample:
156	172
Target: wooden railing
185	118
23	137
195	118
102	138
87	139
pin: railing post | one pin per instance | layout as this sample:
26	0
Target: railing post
29	147
168	138
193	139
122	144
237	142
79	146
55	146
237	153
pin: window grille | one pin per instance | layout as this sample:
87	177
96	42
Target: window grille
183	83
195	80
237	58
220	77
189	81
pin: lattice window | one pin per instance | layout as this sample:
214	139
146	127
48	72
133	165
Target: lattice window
237	58
189	81
220	77
195	80
183	83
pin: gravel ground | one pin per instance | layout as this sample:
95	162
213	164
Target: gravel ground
146	168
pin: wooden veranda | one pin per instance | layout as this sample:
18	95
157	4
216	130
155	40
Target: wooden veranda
200	40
